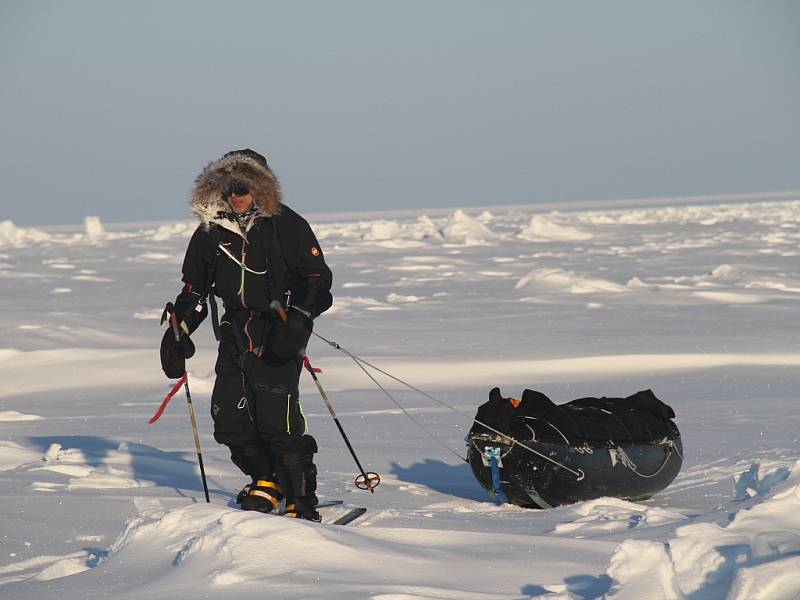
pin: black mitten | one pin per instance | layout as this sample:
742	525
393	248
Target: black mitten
288	338
190	308
174	353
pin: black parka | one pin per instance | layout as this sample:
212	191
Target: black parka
277	257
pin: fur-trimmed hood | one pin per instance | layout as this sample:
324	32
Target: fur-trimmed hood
207	198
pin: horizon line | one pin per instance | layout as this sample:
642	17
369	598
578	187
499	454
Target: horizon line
568	206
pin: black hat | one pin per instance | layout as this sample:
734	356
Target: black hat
249	154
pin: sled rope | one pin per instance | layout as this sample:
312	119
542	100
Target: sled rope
627	462
674	447
361	362
551	425
405	412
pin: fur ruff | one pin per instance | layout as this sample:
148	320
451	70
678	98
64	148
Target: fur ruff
207	196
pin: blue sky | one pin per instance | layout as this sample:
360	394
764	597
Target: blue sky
111	108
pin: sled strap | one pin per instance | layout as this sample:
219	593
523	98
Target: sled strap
537	499
492	454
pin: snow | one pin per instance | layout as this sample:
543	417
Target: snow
567	280
612	514
707	556
13	415
544	229
11	235
695	302
14	455
95	232
461	228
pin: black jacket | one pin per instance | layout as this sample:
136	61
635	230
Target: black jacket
278	257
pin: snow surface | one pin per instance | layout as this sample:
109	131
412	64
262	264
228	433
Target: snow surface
698	302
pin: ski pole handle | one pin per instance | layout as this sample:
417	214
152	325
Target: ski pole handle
169	314
276	306
173	320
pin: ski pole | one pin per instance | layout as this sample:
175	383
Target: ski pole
368	480
196	437
174	322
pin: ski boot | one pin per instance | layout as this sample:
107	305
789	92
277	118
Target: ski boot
262	495
243	492
294	510
298	476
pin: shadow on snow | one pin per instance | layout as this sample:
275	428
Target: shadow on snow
147	463
585	587
453	480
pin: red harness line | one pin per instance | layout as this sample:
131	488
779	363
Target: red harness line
167	398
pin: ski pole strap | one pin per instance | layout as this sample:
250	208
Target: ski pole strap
312	370
167	398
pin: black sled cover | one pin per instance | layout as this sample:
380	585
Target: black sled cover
553	454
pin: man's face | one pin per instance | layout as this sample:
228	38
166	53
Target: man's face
240	204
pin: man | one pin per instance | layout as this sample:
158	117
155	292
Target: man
264	261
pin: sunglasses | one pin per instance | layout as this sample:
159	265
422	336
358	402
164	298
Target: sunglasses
238	189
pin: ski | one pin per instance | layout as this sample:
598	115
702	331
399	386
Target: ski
350	516
325	503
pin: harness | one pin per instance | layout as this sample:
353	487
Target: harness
277	266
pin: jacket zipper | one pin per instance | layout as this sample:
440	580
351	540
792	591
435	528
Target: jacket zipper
244	257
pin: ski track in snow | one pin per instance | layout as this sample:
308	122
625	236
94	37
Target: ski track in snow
695	302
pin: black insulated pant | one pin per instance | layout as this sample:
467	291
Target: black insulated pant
257	413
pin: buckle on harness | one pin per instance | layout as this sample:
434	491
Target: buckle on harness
489	453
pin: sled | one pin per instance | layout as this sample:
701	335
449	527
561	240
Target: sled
536	454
